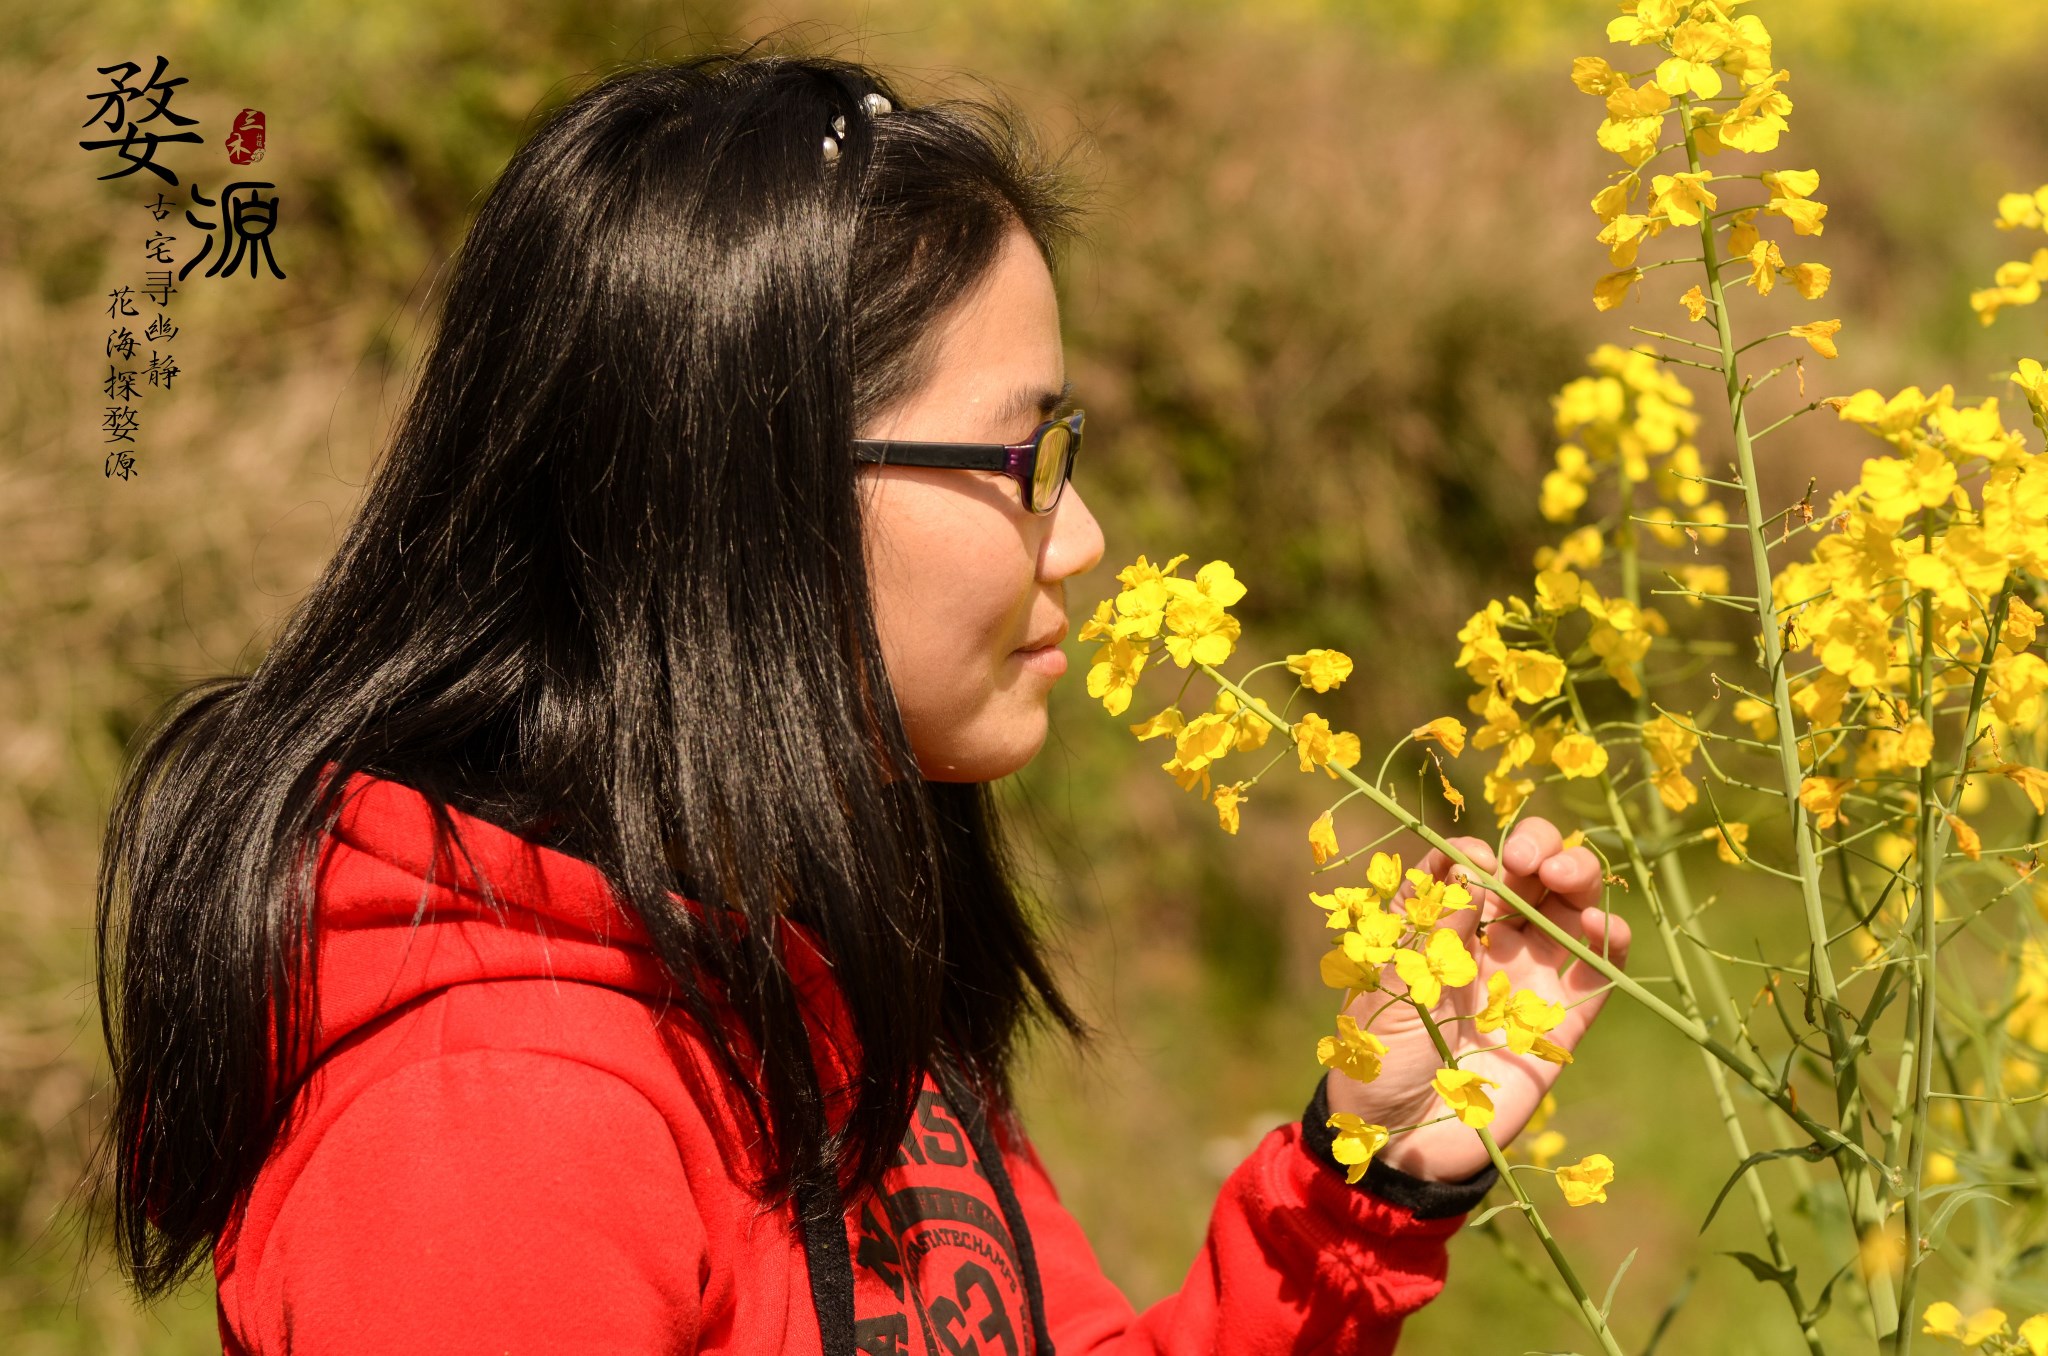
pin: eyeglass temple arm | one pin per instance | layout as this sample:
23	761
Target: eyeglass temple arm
964	456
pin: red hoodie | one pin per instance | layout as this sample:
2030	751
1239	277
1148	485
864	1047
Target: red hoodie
509	1143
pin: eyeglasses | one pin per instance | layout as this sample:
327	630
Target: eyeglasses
1042	464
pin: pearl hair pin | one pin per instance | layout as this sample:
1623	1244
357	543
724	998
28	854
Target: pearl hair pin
873	104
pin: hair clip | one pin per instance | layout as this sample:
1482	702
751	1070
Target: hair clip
874	104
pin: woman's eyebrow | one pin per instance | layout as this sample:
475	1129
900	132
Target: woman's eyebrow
1028	398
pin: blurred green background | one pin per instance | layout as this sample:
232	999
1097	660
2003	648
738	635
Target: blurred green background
1340	255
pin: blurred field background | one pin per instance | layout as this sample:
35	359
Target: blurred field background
1340	257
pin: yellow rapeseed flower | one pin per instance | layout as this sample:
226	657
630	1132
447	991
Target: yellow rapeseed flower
1216	581
1114	674
1586	1181
1339	971
1322	838
1650	21
1429	899
1579	755
1966	838
1690	69
1596	77
1683	198
1581	549
1343	904
1764	263
1373	937
1754	124
1634	123
1811	279
2017	282
2016	211
1822	797
1695	303
1356	1142
1612	288
1820	334
1354	1052
2021	622
1523	1017
1226	800
1505	793
1448	731
1201	631
1792	183
1317	745
2032	780
1250	728
1611	201
1142	571
1558	590
1099	626
1320	669
1943	1319
1804	214
1442	963
1383	874
1465	1093
1531	675
1166	722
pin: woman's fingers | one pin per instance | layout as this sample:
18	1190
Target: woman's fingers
1573	875
1529	842
1437	863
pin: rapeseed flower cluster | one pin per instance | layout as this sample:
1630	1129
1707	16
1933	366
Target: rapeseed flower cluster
1391	928
2017	281
1842	753
1986	1331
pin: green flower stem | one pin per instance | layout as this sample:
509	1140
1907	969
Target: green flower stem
1691	1028
1671	904
1933	846
1856	1172
1588	1311
1544	1283
1669	930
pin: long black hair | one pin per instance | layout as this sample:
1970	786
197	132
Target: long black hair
607	587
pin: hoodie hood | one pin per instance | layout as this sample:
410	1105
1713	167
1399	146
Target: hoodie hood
401	912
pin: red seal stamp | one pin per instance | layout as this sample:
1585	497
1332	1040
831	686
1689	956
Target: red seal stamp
245	142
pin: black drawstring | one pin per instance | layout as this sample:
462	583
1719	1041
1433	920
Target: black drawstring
828	1253
829	1260
971	1111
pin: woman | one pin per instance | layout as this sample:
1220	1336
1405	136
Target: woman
587	928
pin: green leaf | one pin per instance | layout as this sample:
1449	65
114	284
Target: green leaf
1486	1215
1827	1297
1939	1223
1765	1270
1607	1305
1812	1153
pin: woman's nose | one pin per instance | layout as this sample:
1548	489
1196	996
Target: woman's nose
1074	543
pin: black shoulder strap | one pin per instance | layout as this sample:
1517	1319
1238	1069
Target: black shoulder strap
828	1257
828	1253
971	1111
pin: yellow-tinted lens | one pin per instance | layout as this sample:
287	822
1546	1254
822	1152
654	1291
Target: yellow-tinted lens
1052	466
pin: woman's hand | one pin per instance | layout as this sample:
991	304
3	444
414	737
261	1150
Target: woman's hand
1565	884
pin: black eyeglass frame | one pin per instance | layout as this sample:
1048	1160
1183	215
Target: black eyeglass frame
1019	461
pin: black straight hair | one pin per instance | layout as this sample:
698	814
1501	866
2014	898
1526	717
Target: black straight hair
606	588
